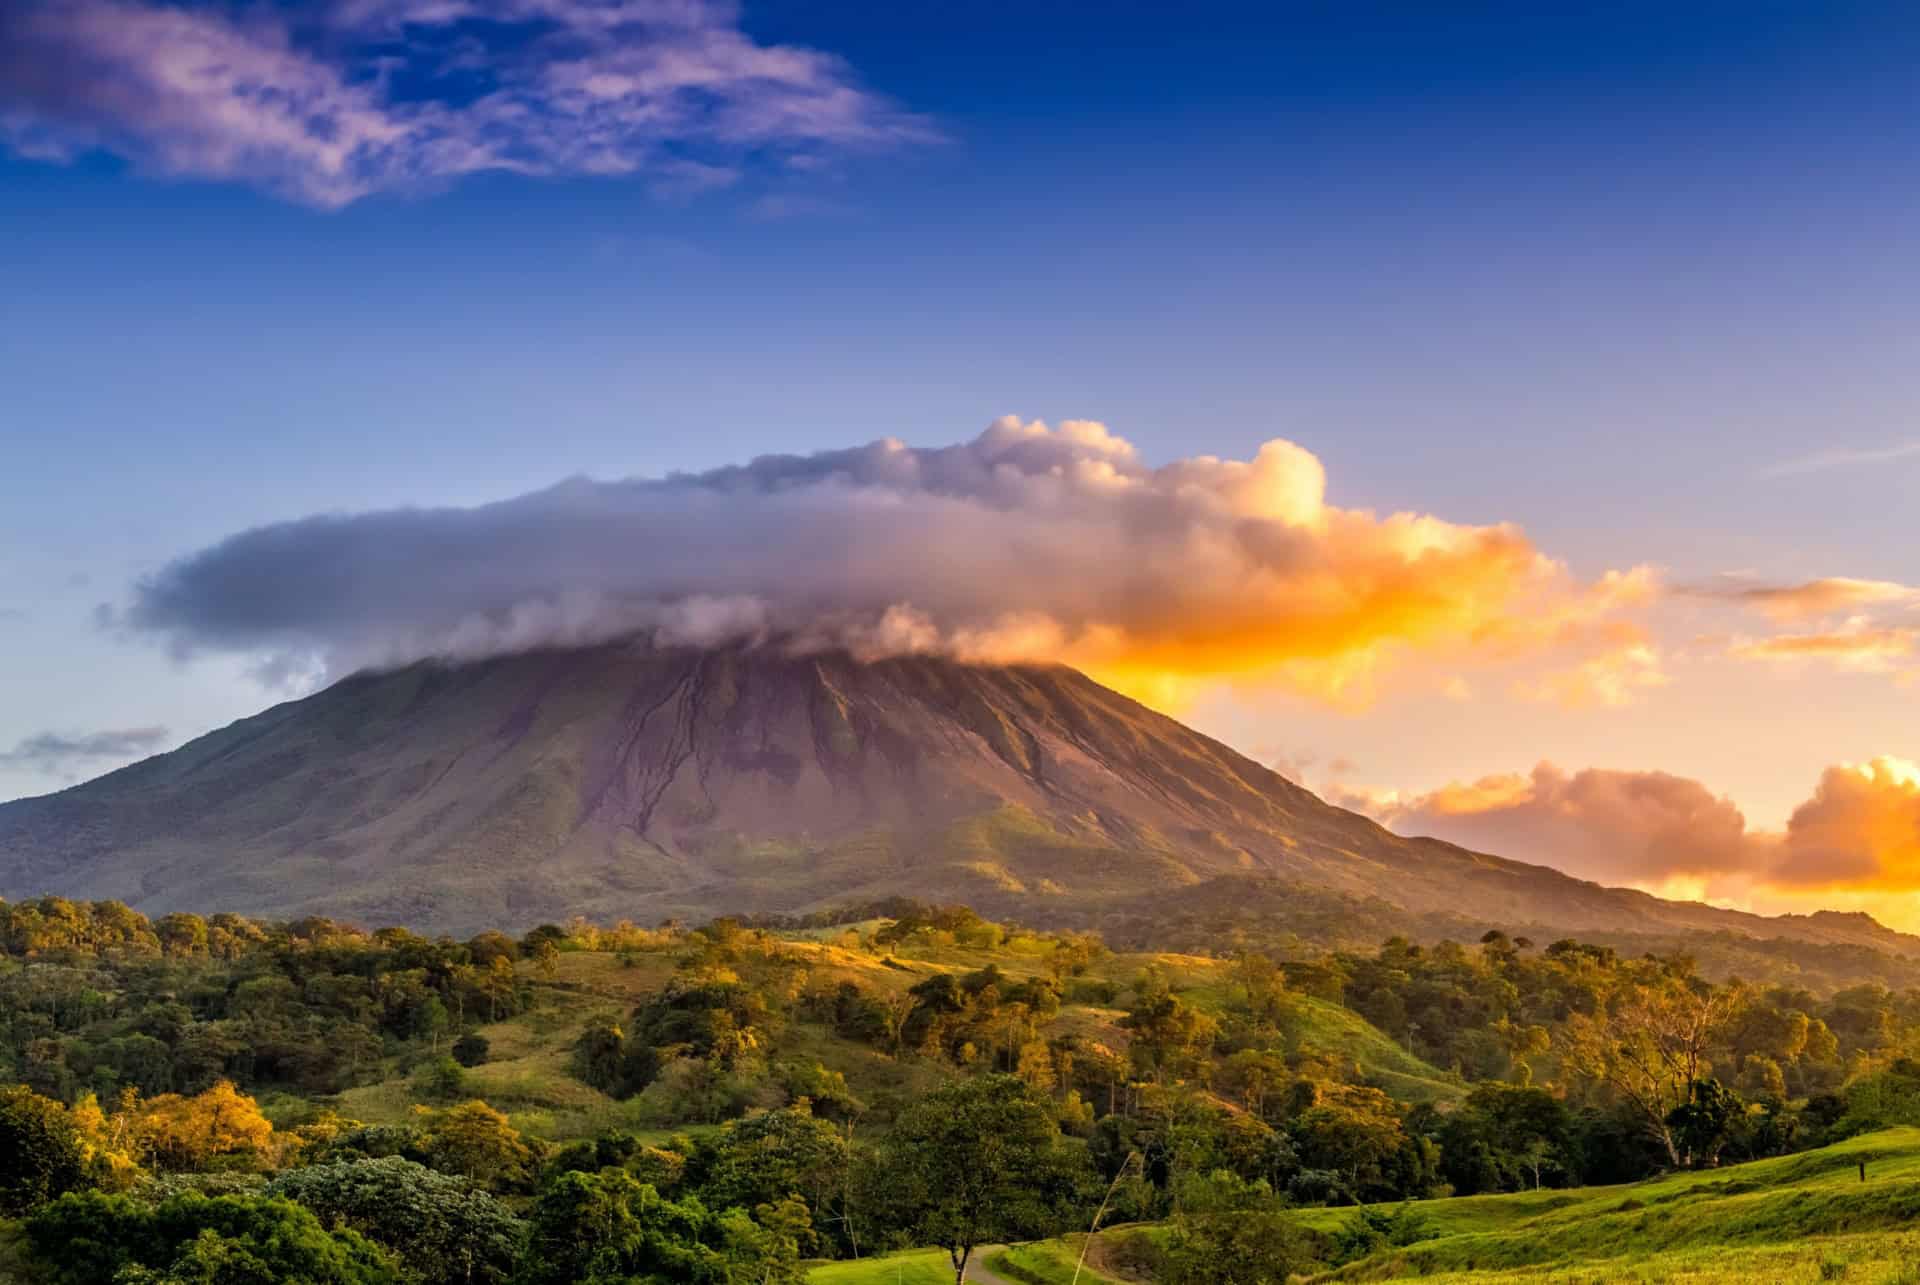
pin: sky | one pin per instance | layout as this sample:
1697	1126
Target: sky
351	331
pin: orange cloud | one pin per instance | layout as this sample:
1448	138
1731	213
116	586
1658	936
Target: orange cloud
1860	829
1863	626
1857	838
1822	597
1159	581
1610	826
1858	646
1611	679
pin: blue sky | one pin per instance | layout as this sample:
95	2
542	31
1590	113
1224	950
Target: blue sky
1617	276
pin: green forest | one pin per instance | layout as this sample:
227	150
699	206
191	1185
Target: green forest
891	1093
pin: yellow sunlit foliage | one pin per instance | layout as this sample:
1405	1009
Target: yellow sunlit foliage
323	1129
112	1152
220	1125
477	1142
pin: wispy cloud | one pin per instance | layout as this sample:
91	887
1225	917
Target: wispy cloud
1804	599
1841	457
1857	646
362	96
1613	677
54	753
1839	622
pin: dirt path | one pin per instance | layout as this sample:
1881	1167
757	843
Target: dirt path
977	1267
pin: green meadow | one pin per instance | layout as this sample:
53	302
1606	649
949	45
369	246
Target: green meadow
1804	1217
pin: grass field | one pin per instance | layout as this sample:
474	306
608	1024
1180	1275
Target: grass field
1874	1258
1322	1027
914	1267
1802	1217
1046	1262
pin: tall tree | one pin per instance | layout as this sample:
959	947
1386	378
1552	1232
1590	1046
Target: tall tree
1648	1043
970	1164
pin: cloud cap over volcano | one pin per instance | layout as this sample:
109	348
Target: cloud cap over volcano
1029	542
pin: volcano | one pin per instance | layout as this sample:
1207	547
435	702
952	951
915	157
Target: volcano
634	782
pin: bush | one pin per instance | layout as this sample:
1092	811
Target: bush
1370	1230
1316	1187
1095	993
440	1080
470	1050
1246	1248
374	1141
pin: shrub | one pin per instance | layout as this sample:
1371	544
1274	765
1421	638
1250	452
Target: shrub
373	1141
1095	993
1247	1247
1316	1187
440	1080
471	1050
1370	1230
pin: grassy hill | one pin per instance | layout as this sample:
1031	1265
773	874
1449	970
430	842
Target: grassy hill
1320	1028
528	1075
1790	1218
527	1071
1804	1217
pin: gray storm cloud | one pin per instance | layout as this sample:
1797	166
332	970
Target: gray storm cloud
1027	542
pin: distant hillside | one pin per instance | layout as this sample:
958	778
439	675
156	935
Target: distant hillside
1249	912
626	782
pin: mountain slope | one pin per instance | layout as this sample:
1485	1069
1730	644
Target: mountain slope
620	781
